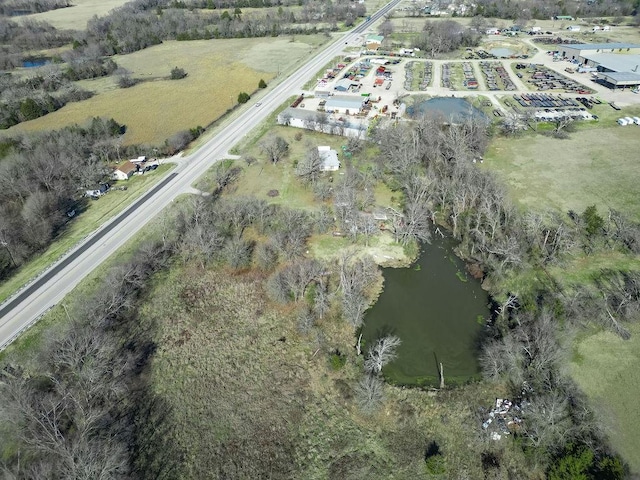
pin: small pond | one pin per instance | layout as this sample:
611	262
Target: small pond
439	312
502	52
35	62
450	108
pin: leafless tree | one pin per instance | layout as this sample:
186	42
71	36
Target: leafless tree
381	353
356	275
309	168
369	393
275	147
290	282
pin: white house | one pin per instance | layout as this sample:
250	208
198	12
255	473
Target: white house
330	162
124	171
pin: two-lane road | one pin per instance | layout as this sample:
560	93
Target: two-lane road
32	302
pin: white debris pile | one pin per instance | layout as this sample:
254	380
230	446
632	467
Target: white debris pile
502	419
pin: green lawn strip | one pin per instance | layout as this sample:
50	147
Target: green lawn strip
97	214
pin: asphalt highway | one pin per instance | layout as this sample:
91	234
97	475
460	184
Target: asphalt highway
34	300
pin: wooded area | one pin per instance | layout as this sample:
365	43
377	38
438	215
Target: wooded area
43	178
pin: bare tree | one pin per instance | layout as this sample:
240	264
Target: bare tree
369	392
381	353
309	168
356	274
275	147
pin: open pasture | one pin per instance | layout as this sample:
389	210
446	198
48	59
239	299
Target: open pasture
594	166
156	108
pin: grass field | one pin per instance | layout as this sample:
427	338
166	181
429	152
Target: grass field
606	368
218	70
594	166
97	214
77	16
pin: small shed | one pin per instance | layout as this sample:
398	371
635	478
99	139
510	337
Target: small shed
330	162
124	171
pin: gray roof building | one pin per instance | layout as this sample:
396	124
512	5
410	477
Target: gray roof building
613	62
344	102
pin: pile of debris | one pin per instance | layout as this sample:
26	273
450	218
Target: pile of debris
502	419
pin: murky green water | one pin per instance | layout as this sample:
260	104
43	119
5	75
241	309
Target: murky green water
452	109
438	311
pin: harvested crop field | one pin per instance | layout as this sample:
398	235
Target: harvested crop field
594	166
218	70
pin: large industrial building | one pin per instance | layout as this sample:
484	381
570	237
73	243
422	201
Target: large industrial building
617	64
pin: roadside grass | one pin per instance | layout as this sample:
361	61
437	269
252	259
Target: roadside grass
76	16
606	368
218	70
542	172
97	213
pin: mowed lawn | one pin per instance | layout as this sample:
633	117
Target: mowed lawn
594	166
77	16
606	368
218	70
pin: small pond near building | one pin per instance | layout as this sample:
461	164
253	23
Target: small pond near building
439	312
502	52
452	109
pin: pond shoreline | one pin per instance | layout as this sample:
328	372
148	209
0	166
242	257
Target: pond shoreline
449	328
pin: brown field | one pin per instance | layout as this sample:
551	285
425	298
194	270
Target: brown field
218	70
77	16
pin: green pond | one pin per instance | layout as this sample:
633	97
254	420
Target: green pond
439	312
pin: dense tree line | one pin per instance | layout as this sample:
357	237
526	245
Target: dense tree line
140	24
87	411
23	99
42	178
24	7
546	9
445	36
18	38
